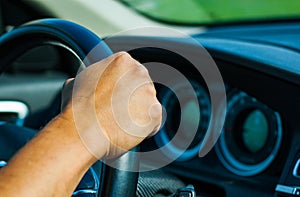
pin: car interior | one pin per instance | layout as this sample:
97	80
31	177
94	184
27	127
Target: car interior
256	152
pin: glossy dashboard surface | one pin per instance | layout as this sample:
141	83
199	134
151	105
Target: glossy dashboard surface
261	75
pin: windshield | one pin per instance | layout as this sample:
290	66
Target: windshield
212	12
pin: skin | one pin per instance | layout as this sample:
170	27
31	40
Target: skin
53	163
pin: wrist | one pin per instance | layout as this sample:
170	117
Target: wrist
86	131
64	128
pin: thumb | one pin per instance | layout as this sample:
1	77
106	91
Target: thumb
66	93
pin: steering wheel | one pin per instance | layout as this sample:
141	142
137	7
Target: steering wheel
79	41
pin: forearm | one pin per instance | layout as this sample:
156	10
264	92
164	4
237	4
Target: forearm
107	93
52	164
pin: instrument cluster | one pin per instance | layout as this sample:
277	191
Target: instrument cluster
249	141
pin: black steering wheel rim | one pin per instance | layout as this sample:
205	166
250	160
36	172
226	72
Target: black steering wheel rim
66	34
79	41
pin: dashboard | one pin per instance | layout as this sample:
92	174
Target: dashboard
259	143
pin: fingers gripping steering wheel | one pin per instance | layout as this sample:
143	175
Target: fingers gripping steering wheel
79	41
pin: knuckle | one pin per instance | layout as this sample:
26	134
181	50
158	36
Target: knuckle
125	62
123	58
122	53
141	71
149	90
152	89
156	111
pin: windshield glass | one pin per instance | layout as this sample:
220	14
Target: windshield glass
215	11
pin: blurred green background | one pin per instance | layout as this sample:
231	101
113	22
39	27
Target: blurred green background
216	11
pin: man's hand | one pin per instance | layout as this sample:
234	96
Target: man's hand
113	106
112	109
